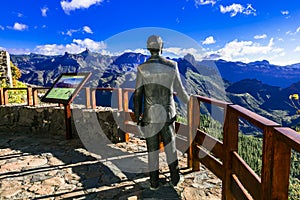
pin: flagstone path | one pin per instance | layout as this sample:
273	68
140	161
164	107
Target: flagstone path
41	166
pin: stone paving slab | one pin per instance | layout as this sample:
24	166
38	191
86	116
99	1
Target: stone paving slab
50	167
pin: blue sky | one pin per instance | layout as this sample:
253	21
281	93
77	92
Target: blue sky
239	30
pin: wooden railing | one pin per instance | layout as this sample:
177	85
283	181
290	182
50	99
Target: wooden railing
239	181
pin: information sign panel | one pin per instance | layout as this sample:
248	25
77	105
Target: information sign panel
65	88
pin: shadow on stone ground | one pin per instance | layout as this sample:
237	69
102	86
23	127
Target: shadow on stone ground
50	167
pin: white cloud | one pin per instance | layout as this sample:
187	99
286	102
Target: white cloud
76	46
205	2
90	44
285	12
1	28
263	36
240	50
181	52
173	52
293	33
249	10
142	51
19	27
87	29
44	11
297	49
234	9
68	6
70	32
84	29
19	51
209	40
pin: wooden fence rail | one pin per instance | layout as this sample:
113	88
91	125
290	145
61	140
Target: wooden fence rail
239	181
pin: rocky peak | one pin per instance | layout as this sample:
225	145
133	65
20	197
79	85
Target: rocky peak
190	58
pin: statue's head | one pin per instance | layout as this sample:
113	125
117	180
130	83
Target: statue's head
154	43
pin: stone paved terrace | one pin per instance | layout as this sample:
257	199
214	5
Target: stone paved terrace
41	166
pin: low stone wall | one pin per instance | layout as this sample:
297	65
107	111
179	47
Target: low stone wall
50	120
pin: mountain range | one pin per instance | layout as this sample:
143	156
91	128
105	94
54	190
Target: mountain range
258	86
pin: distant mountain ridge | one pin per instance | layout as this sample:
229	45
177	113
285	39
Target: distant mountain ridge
275	75
259	86
270	74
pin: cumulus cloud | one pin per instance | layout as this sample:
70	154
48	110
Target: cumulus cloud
44	11
90	44
297	49
19	27
181	52
84	29
1	28
209	40
285	12
141	51
234	9
240	50
68	6
87	29
205	2
76	46
263	36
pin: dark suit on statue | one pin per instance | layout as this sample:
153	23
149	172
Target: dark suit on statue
154	106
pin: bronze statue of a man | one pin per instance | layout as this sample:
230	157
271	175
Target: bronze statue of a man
154	107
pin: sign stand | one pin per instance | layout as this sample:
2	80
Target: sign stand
68	121
63	91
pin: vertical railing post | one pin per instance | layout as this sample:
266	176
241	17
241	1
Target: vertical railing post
88	97
94	103
35	96
193	123
120	99
29	96
275	167
1	96
230	144
68	121
5	96
267	162
126	110
281	172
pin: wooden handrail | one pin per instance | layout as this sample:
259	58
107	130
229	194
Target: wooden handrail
211	101
239	181
288	136
255	119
